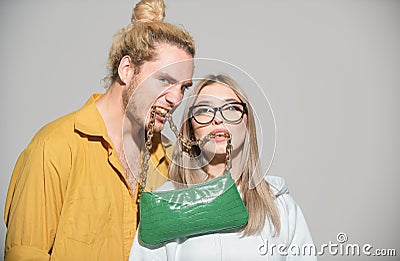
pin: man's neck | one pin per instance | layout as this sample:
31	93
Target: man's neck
112	112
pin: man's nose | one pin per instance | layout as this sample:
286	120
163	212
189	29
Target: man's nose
174	95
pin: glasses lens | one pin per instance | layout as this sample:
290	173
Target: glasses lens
232	111
203	113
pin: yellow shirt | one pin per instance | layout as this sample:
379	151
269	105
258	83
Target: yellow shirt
68	198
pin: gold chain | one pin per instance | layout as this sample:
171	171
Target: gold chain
186	143
148	145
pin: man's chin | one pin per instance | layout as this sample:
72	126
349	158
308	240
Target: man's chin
158	126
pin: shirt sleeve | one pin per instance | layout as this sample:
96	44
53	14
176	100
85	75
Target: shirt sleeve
34	203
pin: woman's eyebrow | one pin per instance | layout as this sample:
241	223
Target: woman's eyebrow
208	102
203	102
232	100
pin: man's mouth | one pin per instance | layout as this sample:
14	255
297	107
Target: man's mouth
161	111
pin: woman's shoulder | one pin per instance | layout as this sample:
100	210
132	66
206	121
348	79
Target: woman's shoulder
284	201
168	185
277	185
294	227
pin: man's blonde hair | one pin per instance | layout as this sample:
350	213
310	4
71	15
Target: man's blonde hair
138	40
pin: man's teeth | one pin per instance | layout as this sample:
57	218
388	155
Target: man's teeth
161	111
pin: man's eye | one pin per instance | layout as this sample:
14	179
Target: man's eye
163	80
185	87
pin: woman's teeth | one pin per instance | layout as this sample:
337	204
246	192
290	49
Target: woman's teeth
220	134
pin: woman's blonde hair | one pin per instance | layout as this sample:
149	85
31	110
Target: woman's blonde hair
138	40
186	170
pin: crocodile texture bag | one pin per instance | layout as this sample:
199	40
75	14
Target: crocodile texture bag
203	208
208	207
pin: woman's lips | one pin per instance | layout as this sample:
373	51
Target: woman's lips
219	134
220	138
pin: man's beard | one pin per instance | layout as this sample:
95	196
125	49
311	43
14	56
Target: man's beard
132	111
127	93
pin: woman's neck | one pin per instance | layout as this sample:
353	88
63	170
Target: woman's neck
217	165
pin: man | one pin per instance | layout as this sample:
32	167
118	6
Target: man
72	195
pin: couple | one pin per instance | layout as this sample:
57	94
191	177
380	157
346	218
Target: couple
217	105
72	195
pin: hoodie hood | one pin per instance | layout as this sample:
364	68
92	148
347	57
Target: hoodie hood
277	185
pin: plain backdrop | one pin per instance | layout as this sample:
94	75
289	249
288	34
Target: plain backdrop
330	69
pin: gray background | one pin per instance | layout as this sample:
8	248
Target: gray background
331	70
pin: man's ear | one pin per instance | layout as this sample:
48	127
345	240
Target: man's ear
125	69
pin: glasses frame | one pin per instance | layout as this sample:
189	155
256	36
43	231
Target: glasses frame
220	108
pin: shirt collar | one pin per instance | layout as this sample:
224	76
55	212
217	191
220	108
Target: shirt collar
88	119
160	145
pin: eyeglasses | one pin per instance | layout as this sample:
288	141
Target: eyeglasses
231	112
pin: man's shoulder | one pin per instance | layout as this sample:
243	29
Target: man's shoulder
60	128
63	128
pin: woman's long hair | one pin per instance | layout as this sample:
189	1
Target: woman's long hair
186	167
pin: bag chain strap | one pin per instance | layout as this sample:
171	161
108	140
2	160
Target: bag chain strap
148	145
185	143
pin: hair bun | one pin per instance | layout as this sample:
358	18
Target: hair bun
149	11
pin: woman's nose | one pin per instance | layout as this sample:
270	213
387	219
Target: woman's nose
218	118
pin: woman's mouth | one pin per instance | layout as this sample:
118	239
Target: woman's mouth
219	138
219	134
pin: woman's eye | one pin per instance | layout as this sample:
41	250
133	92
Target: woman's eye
203	110
232	108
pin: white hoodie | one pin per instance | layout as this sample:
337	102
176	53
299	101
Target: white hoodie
293	242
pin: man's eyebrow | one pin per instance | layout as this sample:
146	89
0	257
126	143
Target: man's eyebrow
172	80
168	77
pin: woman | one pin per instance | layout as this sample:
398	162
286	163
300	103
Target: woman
276	226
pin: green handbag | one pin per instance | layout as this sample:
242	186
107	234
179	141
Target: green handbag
208	207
